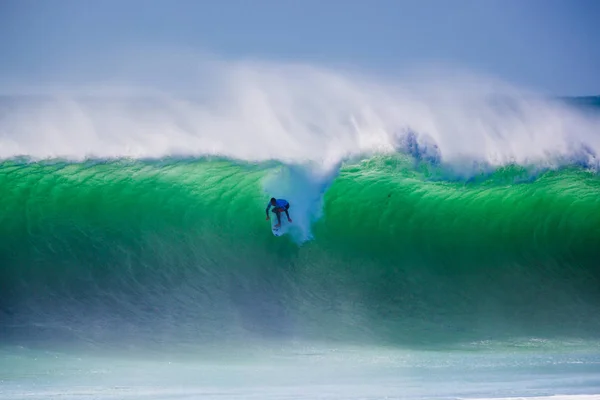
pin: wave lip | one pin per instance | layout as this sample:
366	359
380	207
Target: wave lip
299	114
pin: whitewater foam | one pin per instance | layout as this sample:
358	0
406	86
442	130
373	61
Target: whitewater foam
296	114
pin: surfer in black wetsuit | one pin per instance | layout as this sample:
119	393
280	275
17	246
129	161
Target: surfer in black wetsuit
279	205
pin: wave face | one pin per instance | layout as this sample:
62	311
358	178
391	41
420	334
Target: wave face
462	209
179	249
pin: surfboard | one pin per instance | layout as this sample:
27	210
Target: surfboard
282	229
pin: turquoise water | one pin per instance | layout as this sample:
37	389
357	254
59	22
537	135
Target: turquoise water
394	256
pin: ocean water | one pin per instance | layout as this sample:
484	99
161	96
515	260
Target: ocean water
445	243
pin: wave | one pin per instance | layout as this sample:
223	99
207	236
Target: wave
385	251
450	209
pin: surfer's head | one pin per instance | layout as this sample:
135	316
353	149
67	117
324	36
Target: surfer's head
273	201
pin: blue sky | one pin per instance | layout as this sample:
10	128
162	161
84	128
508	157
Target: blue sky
549	45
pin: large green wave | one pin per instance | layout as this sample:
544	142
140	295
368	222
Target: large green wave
181	248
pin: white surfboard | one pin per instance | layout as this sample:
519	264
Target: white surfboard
282	229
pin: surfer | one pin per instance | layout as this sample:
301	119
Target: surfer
279	205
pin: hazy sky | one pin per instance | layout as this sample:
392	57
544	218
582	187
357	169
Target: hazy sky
550	45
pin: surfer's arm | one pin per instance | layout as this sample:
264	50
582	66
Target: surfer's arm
288	215
267	210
